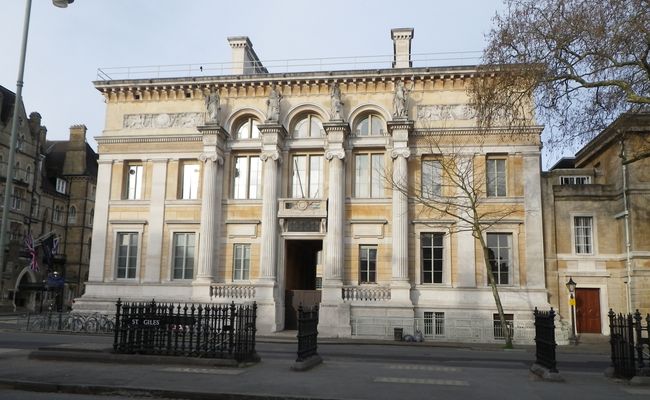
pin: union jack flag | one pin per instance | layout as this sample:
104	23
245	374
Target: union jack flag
29	244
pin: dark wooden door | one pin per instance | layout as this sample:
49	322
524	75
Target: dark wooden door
588	310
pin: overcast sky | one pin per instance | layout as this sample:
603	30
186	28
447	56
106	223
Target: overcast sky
66	46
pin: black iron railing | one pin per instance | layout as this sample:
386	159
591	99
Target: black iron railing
194	330
70	322
307	332
630	349
545	339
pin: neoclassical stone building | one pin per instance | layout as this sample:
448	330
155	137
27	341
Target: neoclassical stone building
274	188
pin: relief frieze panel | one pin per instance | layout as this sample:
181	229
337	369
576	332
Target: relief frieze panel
163	120
443	112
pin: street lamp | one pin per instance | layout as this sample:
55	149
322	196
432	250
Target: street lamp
14	133
571	285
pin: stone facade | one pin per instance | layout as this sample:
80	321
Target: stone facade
592	204
50	179
296	203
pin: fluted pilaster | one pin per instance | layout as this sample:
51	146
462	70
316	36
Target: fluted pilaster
268	248
335	216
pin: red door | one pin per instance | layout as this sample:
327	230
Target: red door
588	310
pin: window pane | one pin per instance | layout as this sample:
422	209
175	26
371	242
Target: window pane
299	189
362	181
302	128
377	175
315	176
255	131
254	191
134	182
363	129
500	256
190	181
315	128
376	125
244	131
241	176
431	178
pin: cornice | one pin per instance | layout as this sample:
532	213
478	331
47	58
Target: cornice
197	85
147	139
534	129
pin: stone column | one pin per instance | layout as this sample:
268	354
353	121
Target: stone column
400	216
334	317
208	217
400	285
214	141
270	312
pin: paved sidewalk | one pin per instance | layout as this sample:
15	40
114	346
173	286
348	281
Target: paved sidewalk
438	371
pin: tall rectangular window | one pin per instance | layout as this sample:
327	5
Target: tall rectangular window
434	323
431	257
583	235
500	256
496	177
133	189
307	181
248	177
127	254
190	179
184	253
368	175
17	198
367	264
241	262
431	178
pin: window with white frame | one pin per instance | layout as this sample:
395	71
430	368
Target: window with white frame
307	181
575	180
190	179
184	253
434	323
17	198
127	255
72	214
496	177
367	264
431	259
134	177
499	332
247	177
241	262
369	170
431	178
500	256
583	235
248	129
370	125
61	185
309	126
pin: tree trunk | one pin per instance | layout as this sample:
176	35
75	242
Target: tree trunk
495	292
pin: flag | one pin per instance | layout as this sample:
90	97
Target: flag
48	245
29	245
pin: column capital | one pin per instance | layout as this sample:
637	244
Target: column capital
214	157
400	124
273	155
338	153
402	152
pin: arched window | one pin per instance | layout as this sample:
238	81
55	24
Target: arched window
248	129
370	125
72	215
308	126
57	214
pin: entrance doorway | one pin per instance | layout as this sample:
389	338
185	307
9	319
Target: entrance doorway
302	277
588	310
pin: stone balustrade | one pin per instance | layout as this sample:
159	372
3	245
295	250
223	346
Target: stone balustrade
232	291
366	293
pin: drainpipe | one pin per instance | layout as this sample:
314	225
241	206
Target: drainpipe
626	215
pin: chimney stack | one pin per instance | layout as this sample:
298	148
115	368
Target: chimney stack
402	47
244	59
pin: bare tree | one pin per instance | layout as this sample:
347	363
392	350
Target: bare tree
583	63
455	183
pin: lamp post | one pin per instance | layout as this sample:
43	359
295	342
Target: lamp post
14	133
571	285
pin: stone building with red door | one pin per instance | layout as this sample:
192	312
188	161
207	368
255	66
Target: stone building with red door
596	211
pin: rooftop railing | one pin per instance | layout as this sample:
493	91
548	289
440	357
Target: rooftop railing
283	66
